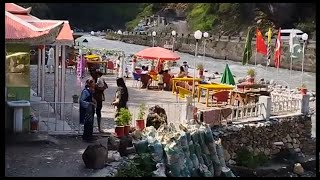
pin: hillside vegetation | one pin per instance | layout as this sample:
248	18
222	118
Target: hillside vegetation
233	18
223	18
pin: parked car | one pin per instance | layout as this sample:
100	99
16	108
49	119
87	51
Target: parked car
285	34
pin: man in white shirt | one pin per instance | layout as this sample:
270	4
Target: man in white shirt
185	67
50	62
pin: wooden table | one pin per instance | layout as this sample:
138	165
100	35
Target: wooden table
246	97
246	85
212	87
175	80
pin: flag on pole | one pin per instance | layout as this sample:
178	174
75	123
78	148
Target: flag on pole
277	53
247	49
269	47
295	47
260	45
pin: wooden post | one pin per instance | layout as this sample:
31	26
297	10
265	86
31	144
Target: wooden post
56	77
63	78
43	73
39	73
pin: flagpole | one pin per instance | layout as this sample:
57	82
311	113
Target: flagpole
290	67
302	70
255	58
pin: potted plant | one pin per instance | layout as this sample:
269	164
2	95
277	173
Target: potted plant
303	89
125	116
200	69
251	75
140	121
119	130
75	98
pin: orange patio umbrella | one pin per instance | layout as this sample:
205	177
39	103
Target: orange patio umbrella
157	53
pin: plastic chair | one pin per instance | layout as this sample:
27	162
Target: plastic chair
221	96
110	66
182	93
136	80
154	78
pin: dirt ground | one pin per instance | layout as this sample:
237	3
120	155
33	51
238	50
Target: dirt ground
49	160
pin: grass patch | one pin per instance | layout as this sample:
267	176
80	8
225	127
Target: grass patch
146	10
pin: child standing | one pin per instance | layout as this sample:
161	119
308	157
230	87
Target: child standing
160	80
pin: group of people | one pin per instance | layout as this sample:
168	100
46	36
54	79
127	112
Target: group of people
91	100
163	77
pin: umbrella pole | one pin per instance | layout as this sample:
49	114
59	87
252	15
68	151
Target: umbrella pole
194	74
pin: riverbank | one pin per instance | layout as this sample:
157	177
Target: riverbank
226	48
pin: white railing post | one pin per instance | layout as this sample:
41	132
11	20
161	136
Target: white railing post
304	109
265	102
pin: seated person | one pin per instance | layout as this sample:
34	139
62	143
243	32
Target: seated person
137	70
144	70
160	80
167	80
182	73
145	77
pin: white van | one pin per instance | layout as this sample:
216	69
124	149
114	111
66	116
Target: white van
285	34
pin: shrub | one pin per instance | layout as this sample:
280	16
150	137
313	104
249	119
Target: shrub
248	159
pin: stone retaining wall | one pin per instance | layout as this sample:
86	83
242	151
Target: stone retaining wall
220	47
293	133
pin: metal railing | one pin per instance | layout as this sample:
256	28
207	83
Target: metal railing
63	117
245	112
56	116
281	102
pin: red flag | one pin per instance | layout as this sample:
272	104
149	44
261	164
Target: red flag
277	53
260	45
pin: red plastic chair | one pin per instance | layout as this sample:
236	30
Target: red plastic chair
110	66
221	97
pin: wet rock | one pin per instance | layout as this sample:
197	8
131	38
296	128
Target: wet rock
267	151
289	146
227	156
125	142
297	150
298	169
289	139
232	162
113	143
295	146
278	143
94	157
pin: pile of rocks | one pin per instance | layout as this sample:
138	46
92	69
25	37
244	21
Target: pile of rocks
268	137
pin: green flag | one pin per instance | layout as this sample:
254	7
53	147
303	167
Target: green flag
296	49
247	49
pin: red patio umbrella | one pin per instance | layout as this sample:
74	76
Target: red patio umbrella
157	53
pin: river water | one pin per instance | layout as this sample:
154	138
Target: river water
215	65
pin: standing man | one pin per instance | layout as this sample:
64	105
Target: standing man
50	62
